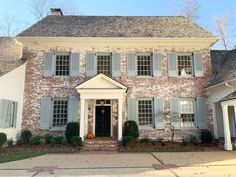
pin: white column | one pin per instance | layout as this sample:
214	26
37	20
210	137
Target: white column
228	144
235	123
86	116
82	103
216	134
120	105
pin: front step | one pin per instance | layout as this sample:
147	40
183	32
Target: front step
100	144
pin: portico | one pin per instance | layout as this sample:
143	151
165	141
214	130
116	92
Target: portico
99	89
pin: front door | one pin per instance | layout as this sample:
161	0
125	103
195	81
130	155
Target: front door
103	121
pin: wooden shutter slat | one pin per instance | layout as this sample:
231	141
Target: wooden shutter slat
91	64
73	109
131	64
48	66
45	113
158	113
198	65
132	109
115	64
172	64
201	113
156	64
74	64
174	113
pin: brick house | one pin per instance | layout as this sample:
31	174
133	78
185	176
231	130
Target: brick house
103	70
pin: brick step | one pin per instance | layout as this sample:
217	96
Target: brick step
100	145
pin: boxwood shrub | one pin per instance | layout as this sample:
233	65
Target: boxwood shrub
25	136
206	136
72	129
3	139
131	129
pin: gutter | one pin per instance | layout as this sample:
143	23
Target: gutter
221	83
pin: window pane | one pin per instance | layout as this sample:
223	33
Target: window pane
62	65
60	113
145	112
144	65
184	65
187	113
104	64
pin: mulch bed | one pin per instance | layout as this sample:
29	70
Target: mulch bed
168	147
37	148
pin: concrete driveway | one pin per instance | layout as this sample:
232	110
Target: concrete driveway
181	164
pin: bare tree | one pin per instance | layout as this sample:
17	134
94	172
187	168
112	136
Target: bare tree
189	9
9	25
40	8
221	24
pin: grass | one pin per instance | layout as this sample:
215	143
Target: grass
30	154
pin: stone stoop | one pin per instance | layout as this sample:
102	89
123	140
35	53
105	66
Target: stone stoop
100	144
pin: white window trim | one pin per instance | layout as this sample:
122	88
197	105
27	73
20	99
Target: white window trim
58	128
145	127
151	60
54	64
194	112
192	67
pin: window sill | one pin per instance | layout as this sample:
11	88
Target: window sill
188	128
145	128
57	129
5	127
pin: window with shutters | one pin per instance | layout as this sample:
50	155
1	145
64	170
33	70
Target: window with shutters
8	112
145	112
62	65
104	64
185	67
144	65
187	112
60	113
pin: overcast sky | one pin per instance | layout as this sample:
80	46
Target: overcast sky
208	9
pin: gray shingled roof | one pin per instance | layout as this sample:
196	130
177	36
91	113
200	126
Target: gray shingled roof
226	68
216	59
116	26
8	65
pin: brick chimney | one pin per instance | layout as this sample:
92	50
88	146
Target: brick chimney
56	12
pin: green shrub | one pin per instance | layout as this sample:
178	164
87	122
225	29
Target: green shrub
76	141
48	138
34	140
131	129
19	142
3	139
146	141
72	129
25	136
60	140
126	140
52	142
190	139
10	143
206	136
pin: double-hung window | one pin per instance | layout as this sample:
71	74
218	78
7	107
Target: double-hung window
60	113
185	65
62	64
104	63
187	112
145	112
144	65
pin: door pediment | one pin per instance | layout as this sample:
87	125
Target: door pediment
101	81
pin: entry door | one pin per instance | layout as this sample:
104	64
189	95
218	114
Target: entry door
103	121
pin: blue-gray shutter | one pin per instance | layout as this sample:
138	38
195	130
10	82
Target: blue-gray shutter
201	113
115	64
174	113
73	109
91	64
158	113
3	113
15	113
156	64
198	65
74	64
48	64
45	113
132	109
172	64
131	64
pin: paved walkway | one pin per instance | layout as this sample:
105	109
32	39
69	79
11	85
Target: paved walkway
206	164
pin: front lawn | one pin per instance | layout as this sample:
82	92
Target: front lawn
14	153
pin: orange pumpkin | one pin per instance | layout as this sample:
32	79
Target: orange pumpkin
90	135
